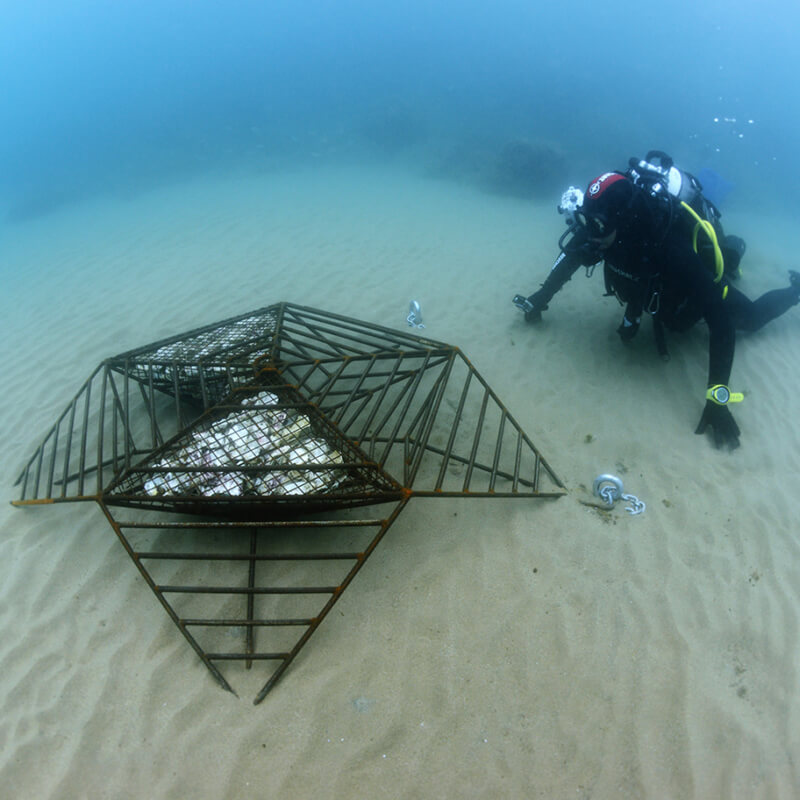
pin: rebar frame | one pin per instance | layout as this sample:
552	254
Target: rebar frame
275	427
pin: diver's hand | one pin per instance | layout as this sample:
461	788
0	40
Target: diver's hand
530	306
627	330
726	431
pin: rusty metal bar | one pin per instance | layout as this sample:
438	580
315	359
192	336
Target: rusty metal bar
85	435
164	604
178	589
337	418
387	523
436	394
68	449
265	523
497	449
100	428
126	410
150	400
413	389
447	453
166	556
247	656
384	389
51	471
251	582
177	392
241	623
476	441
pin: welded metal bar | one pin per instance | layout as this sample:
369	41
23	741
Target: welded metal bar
115	421
251	582
479	465
52	469
84	437
149	398
434	403
516	425
339	396
177	392
356	386
497	448
301	381
241	623
75	399
334	377
423	412
473	493
296	351
406	386
185	589
161	599
453	431
381	397
123	410
475	441
358	408
109	462
167	556
48	501
387	523
39	462
313	366
68	450
247	656
295	328
412	391
517	462
345	327
319	337
126	419
100	429
378	357
266	523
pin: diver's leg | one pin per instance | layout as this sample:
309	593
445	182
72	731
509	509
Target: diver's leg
751	315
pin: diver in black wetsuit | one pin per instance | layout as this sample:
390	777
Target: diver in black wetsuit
662	257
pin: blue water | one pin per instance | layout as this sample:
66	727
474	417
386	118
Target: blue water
117	96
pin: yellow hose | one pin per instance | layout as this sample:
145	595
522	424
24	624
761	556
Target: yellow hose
708	229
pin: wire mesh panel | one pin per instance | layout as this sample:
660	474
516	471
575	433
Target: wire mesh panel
258	422
260	446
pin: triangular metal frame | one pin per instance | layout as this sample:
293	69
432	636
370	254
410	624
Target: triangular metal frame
399	416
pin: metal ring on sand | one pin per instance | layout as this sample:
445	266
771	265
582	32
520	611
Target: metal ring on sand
601	488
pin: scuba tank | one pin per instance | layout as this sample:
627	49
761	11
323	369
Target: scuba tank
679	199
657	175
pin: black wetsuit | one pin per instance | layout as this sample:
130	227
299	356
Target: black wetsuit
666	278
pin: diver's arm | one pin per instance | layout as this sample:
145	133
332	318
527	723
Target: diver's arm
721	347
562	270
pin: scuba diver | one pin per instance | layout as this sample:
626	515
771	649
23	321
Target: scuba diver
664	253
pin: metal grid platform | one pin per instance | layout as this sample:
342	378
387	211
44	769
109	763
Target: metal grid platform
271	430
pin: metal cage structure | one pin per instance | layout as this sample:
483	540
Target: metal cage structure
236	463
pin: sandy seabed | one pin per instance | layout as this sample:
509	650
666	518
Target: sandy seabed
489	648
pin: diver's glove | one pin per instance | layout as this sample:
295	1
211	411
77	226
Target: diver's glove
627	330
719	417
531	306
